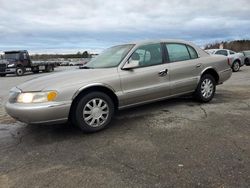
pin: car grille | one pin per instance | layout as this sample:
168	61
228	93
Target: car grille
2	67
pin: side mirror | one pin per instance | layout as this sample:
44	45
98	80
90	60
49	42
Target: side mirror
130	64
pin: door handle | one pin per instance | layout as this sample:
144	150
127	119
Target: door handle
198	65
163	72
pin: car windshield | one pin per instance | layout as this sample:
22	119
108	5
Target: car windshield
110	57
11	56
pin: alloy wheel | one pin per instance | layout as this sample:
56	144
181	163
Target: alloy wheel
96	112
236	66
207	88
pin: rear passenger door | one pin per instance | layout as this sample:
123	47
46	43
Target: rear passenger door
184	69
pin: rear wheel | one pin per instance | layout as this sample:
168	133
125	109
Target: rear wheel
19	71
49	68
2	75
35	70
206	88
236	66
93	112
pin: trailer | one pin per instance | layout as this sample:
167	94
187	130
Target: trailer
18	62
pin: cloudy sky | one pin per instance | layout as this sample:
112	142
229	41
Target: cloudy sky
68	26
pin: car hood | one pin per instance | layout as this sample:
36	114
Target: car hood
68	78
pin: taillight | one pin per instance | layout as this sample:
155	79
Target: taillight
228	61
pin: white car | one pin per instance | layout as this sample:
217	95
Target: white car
246	54
236	60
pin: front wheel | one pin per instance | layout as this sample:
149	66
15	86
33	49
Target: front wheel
2	75
205	89
19	71
93	112
236	66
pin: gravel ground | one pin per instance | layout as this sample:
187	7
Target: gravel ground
173	143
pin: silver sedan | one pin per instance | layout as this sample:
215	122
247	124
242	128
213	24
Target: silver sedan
122	76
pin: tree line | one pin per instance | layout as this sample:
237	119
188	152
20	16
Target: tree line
236	45
84	54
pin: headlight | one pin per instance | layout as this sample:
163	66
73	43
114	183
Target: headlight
36	97
11	65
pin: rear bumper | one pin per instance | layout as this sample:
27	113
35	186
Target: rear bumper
56	112
225	75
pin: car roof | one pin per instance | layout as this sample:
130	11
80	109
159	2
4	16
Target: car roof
216	49
15	51
144	42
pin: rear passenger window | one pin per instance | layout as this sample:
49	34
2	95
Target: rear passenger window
192	52
221	52
177	52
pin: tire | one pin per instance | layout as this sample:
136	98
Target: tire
247	62
236	66
205	89
35	70
19	71
2	75
49	68
87	114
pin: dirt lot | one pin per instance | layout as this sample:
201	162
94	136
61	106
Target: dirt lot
174	143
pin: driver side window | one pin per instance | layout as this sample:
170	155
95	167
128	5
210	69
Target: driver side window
148	55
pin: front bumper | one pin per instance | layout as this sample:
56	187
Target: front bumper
7	71
52	112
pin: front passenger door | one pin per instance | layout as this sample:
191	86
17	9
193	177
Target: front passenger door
24	59
148	81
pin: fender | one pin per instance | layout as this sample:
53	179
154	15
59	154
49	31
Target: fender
207	68
92	85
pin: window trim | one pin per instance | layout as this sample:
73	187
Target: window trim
231	52
186	45
194	51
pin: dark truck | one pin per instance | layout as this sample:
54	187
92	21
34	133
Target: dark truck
19	62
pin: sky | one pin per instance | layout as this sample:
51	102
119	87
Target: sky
67	26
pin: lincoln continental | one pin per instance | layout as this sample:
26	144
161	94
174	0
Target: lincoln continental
122	76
